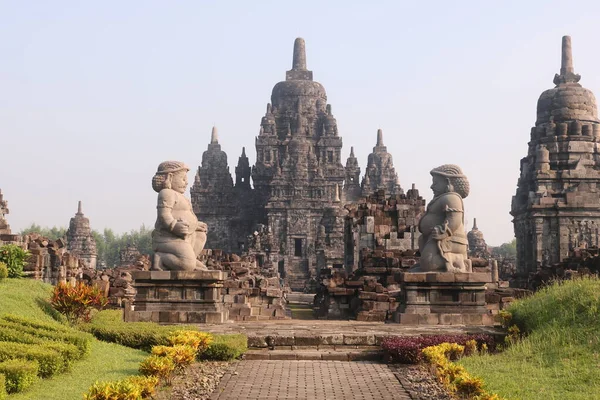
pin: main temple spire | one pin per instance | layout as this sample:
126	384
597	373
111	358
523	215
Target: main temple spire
299	61
379	137
214	136
299	71
567	73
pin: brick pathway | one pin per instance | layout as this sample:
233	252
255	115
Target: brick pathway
318	380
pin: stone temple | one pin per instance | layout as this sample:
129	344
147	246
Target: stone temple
299	184
80	241
557	205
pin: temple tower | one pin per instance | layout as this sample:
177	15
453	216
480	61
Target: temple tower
213	197
477	246
380	172
80	241
298	168
557	204
352	190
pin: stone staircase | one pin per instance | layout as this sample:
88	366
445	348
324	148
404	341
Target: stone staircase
330	347
296	276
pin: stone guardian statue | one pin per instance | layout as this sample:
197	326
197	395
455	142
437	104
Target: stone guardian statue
178	236
443	242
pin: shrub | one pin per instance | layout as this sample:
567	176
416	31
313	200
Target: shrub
3	273
225	348
76	302
15	259
132	388
31	323
182	355
454	376
198	340
160	367
3	393
50	361
108	325
407	349
19	374
14	333
147	384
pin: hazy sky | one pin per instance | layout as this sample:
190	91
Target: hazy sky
94	95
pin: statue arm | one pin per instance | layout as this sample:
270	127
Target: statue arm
453	208
166	202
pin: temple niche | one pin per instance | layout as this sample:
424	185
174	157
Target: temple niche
80	241
556	208
299	185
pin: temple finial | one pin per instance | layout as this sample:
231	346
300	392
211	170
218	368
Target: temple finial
299	61
475	223
567	74
566	64
79	208
243	152
379	137
214	137
352	151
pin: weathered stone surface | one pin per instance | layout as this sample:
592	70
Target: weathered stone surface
556	205
177	297
80	241
178	237
443	243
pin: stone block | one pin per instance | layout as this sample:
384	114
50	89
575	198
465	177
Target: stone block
306	340
331	339
410	277
451	319
359	339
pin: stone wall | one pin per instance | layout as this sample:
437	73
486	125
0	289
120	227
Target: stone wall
252	289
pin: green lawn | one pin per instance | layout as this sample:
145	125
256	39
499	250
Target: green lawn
107	361
560	358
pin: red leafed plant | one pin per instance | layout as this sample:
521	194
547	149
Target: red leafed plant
77	302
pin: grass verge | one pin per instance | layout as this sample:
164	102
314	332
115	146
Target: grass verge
560	356
107	362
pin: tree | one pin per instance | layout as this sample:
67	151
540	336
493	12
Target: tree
506	250
108	243
53	233
15	259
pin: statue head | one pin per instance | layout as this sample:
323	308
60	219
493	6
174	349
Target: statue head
170	175
449	178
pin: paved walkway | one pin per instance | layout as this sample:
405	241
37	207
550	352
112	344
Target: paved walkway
318	380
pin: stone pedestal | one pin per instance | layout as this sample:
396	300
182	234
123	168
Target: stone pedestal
443	298
173	297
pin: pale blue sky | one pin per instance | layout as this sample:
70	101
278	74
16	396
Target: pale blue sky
93	95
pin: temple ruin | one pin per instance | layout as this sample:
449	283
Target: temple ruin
556	206
299	183
80	241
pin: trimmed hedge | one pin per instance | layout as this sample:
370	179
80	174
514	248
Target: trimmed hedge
27	334
18	374
225	347
407	349
55	327
3	393
50	361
